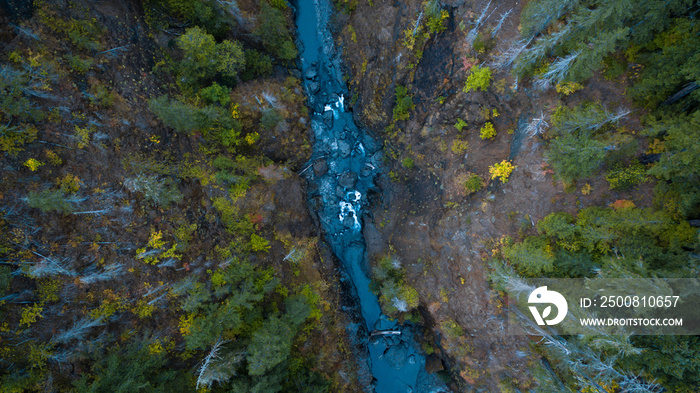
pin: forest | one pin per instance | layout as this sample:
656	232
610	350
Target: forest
154	235
155	229
657	44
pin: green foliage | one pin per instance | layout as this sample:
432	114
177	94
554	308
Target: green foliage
49	200
590	32
602	238
13	138
270	118
671	63
213	122
582	138
501	170
84	33
230	59
671	360
14	100
101	95
479	79
216	94
408	163
176	114
159	191
204	13
436	17
452	328
460	124
404	103
274	33
30	314
5	279
396	295
679	165
258	243
533	257
270	345
203	58
473	183
622	178
487	131
256	64
78	64
459	146
131	369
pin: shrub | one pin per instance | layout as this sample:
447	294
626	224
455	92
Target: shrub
408	163
78	64
13	138
473	183
459	146
487	131
452	328
479	79
436	23
460	124
256	64
176	114
623	178
501	170
216	94
404	103
568	88
258	243
270	118
49	200
33	164
162	192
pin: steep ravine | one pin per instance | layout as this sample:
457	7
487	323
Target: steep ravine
340	176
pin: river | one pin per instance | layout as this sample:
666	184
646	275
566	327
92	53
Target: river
340	174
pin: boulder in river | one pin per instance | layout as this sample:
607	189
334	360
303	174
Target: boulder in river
328	118
344	148
347	179
314	87
320	167
311	73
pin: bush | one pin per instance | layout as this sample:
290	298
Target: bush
216	94
459	146
501	170
270	118
256	64
479	79
487	131
623	178
13	138
404	103
176	114
473	183
49	200
460	124
408	163
162	192
79	65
